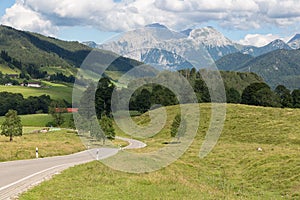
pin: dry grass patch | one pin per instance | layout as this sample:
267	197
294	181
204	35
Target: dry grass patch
49	144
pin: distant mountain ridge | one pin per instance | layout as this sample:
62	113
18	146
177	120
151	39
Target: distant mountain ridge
199	47
207	44
276	67
274	45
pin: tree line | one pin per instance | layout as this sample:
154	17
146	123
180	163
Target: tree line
150	95
260	94
30	105
29	70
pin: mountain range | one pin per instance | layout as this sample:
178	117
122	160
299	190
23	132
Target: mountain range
157	45
166	49
279	67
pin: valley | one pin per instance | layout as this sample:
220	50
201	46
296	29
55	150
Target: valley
255	157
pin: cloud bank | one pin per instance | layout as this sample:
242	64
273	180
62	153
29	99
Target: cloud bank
47	16
258	40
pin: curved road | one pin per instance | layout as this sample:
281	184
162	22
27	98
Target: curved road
133	144
18	176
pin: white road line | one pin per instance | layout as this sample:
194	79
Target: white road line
30	176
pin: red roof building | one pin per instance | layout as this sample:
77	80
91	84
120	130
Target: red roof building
68	110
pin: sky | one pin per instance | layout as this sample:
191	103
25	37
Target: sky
249	22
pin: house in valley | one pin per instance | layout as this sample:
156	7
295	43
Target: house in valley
34	84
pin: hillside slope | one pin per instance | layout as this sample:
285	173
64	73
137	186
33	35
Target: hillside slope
232	62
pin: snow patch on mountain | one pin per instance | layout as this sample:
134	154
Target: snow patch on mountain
210	37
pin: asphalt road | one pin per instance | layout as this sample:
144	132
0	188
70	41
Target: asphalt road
133	144
17	176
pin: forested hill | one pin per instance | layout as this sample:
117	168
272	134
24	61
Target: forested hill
39	50
280	67
35	56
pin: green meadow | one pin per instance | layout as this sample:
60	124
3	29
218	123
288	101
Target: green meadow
233	170
39	120
58	91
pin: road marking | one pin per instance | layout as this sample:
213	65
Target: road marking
30	176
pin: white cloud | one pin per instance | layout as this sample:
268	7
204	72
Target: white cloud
24	18
173	5
107	15
259	40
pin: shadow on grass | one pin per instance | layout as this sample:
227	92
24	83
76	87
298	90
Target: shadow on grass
171	142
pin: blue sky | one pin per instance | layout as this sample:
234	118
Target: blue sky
5	4
255	22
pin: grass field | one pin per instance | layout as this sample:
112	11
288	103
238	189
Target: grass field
233	170
39	120
49	144
55	92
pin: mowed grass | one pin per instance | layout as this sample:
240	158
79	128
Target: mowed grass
233	170
55	92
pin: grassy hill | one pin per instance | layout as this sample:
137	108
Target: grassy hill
233	170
